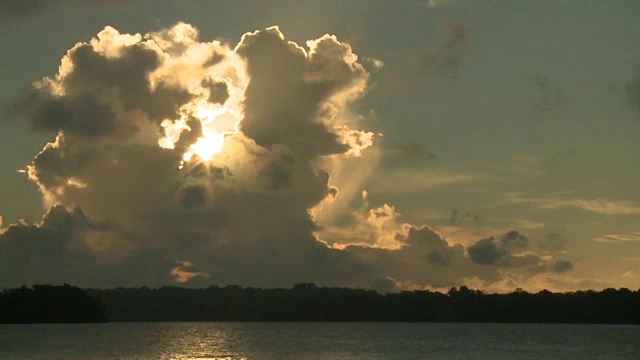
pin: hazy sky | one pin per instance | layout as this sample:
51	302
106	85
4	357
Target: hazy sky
420	144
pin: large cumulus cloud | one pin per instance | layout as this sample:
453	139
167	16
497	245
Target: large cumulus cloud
177	160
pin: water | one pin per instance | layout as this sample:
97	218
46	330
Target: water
318	341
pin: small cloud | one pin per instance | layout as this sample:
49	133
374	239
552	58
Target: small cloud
491	250
619	238
447	58
185	271
372	63
553	242
453	220
444	60
458	219
412	150
562	266
600	206
412	180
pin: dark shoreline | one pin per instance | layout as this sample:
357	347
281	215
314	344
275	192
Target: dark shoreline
309	303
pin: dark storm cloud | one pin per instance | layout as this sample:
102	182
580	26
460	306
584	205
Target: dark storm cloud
486	251
53	251
69	247
492	251
438	251
562	266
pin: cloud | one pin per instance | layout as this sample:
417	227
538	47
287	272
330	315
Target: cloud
562	266
64	246
458	218
538	282
507	250
174	160
523	168
605	207
411	180
184	272
619	238
138	117
444	60
490	250
410	150
313	85
553	242
385	285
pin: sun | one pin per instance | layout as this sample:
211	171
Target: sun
217	121
206	147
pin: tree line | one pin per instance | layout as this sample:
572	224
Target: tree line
50	304
308	302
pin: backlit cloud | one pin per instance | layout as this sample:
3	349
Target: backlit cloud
174	160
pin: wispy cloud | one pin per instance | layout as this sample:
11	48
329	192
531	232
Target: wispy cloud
410	181
600	206
619	238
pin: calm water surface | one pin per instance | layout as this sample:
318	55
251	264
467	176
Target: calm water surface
318	341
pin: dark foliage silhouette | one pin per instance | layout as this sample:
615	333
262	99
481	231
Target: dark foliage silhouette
307	302
49	304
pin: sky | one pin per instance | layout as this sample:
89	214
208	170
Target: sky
386	145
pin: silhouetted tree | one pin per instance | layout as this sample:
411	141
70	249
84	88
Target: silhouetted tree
308	302
49	304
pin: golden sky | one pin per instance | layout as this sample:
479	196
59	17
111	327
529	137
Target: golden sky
404	145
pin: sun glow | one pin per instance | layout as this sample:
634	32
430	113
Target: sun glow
205	147
217	121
